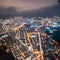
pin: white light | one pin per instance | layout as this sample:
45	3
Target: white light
33	36
53	25
4	36
47	28
29	48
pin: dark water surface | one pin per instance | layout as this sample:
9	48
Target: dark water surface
55	35
4	55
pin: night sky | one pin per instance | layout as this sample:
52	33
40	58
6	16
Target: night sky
45	8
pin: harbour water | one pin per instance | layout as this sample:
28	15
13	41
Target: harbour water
55	34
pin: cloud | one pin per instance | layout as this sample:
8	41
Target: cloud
27	5
29	8
44	12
